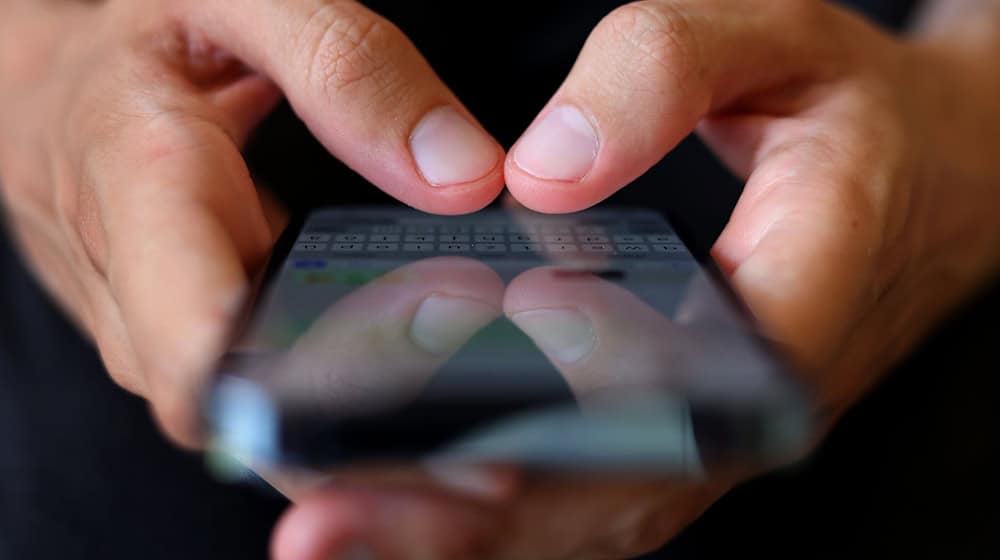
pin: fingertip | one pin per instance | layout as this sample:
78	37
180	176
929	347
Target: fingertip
449	149
561	145
549	197
453	199
396	171
560	197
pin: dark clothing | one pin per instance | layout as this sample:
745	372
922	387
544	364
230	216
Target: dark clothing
85	474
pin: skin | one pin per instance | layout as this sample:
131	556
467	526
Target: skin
868	215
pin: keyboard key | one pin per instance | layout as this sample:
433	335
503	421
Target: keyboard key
349	238
489	228
387	228
310	247
384	238
589	230
671	248
382	247
592	238
454	238
597	248
347	247
419	238
490	248
454	247
632	249
489	238
524	238
628	238
455	229
663	238
314	238
565	238
524	247
418	247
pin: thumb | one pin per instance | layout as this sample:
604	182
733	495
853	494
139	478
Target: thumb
645	77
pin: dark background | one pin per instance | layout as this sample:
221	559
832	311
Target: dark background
910	472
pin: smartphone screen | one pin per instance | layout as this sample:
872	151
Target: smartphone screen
586	341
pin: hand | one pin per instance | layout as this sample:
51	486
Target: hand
122	124
868	214
860	194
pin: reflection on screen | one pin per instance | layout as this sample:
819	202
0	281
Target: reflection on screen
590	341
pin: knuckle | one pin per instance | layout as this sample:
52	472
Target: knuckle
163	135
659	39
76	212
346	46
60	197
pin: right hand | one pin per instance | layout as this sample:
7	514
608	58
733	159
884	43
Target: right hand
122	125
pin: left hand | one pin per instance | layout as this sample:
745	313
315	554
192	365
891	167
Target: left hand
868	214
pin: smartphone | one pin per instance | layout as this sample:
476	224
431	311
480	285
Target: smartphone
589	341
